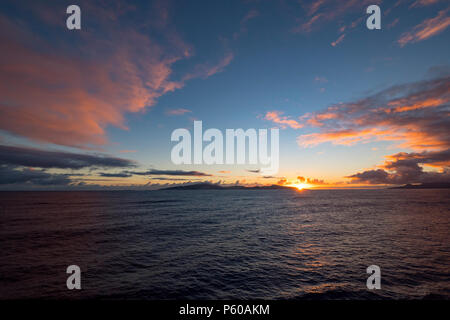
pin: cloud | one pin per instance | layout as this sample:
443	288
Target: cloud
243	25
313	181
338	40
250	15
284	122
423	3
393	23
371	176
414	115
316	181
30	157
127	151
428	28
12	175
177	112
115	175
207	69
404	168
69	90
429	158
172	179
318	13
172	173
320	79
70	100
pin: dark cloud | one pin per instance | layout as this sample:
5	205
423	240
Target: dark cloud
29	157
404	168
171	173
10	175
115	175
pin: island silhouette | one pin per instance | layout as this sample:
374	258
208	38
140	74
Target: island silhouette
212	186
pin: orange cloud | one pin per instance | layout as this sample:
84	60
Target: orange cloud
417	118
320	79
305	182
426	29
432	102
243	25
338	40
69	95
275	116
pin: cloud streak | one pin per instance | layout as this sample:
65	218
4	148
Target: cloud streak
427	29
155	172
178	112
318	13
414	115
338	40
71	100
30	157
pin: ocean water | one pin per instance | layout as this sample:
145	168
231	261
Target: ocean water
226	244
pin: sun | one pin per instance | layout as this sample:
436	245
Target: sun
300	186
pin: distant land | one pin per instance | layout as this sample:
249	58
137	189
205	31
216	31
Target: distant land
210	186
433	185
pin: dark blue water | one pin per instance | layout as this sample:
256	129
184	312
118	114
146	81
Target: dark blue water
233	244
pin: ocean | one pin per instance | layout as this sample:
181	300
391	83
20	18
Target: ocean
226	244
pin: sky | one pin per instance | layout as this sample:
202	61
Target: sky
95	108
